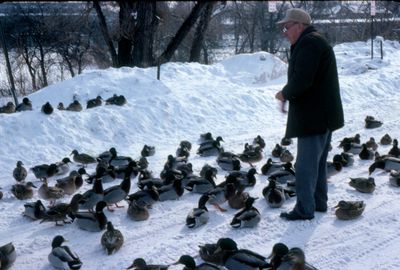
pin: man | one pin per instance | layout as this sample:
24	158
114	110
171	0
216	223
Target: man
315	110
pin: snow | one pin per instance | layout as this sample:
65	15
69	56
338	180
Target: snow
234	99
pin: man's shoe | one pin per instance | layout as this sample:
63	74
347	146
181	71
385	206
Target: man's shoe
292	215
322	210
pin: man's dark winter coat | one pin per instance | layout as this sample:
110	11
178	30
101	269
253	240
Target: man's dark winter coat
313	87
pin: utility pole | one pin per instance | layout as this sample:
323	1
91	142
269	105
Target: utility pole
373	12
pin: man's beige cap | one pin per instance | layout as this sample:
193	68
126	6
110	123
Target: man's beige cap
296	15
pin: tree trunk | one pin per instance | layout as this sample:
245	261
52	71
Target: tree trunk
106	35
147	23
126	23
182	32
43	66
201	29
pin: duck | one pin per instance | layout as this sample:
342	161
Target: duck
371	143
210	253
347	140
116	100
148	151
205	137
365	153
60	106
248	217
346	210
34	210
271	166
386	139
120	162
252	155
8	108
277	151
198	216
23	191
69	184
186	144
50	193
394	151
295	259
61	256
220	195
93	222
63	166
247	179
82	158
201	184
138	212
354	148
238	200
286	141
117	193
171	191
346	159
229	163
140	264
26	105
95	102
8	256
146	197
190	264
112	239
47	108
243	259
75	106
92	196
182	152
332	168
274	195
394	178
44	171
385	163
19	173
206	167
60	211
210	147
363	184
279	250
286	156
259	141
371	122
284	175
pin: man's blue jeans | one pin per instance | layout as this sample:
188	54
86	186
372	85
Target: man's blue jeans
311	182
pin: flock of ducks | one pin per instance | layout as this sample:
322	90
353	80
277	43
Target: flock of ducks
86	209
75	106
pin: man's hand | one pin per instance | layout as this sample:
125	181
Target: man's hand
279	96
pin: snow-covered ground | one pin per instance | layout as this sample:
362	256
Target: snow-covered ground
233	99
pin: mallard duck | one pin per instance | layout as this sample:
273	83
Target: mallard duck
238	200
295	259
60	211
112	239
229	163
172	191
92	196
279	250
386	139
190	264
93	222
44	171
394	151
371	122
146	197
201	184
60	106
63	166
7	256
243	259
332	168
249	216
62	257
148	151
259	141
394	178
385	163
252	155
284	175
362	184
271	166
47	108
247	179
346	140
75	106
205	137
68	184
277	151
182	152
95	102
137	212
19	172
8	108
274	195
23	191
347	210
50	193
198	216
286	156
371	144
353	148
211	253
117	193
82	158
365	153
211	148
140	264
344	158
116	100
286	141
26	105
34	210
206	167
220	195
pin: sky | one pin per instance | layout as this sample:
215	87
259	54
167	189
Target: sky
233	99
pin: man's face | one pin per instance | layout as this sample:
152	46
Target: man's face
291	31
